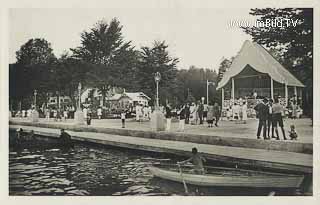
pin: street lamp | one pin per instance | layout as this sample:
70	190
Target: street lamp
35	99
79	93
157	78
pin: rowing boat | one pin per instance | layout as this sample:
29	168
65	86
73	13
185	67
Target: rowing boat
229	177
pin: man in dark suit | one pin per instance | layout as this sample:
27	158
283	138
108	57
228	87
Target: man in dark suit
262	114
200	112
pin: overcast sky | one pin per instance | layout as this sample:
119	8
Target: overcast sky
199	37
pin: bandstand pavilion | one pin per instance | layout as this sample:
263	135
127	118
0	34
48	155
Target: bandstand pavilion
255	72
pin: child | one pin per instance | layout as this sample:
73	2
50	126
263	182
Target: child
123	118
292	133
229	114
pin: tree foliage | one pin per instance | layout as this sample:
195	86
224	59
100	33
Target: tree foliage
34	52
156	59
223	67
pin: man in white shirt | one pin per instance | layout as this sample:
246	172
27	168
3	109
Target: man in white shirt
99	113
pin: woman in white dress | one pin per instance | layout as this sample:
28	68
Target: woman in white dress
244	112
193	114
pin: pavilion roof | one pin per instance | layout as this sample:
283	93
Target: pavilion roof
262	61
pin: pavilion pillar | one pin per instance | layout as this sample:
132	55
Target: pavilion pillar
271	87
222	98
286	93
232	92
295	91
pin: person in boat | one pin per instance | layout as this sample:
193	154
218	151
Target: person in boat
197	160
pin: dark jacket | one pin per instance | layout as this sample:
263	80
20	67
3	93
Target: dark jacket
200	108
262	111
216	110
182	114
168	112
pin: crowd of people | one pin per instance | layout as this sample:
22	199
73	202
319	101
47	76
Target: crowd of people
194	113
269	112
238	112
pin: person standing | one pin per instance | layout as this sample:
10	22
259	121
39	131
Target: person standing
216	113
123	118
65	115
138	112
29	111
89	118
235	112
205	111
23	113
196	113
168	117
244	112
269	119
210	115
193	114
55	113
99	113
200	112
187	110
48	114
294	109
277	110
262	114
182	117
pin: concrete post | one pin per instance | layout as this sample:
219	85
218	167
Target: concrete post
78	115
35	116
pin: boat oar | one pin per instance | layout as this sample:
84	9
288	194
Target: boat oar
184	183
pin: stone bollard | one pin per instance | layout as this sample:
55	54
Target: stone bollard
79	118
157	121
34	116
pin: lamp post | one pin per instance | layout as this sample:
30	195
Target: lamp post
79	95
35	114
157	78
157	117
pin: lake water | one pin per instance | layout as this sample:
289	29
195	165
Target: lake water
96	170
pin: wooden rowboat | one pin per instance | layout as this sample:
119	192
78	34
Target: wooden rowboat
229	177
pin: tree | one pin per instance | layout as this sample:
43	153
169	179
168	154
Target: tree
99	45
194	83
113	60
156	59
34	52
294	42
224	65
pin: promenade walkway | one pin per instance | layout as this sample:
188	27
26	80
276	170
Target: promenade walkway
225	129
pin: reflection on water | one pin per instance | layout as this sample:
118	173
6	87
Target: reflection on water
80	171
95	170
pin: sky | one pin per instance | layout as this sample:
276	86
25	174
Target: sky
197	36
